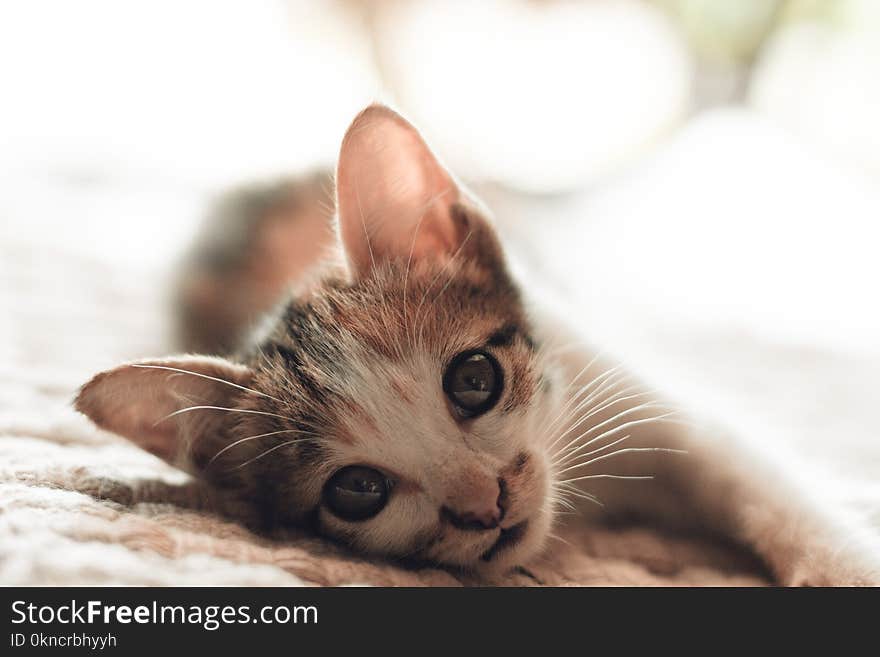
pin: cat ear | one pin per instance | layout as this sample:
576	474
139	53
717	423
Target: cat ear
394	199
140	401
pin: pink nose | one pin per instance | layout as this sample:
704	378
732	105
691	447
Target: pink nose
477	511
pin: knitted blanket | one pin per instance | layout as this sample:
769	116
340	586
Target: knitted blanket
82	506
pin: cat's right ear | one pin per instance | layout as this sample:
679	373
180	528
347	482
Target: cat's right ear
145	402
396	201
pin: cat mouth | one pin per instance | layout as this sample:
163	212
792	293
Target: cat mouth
506	540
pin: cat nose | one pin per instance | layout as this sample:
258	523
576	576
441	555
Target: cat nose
477	513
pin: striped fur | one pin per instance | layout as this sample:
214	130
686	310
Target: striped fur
348	370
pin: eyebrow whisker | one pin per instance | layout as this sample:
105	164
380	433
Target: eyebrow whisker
272	449
261	435
210	378
223	408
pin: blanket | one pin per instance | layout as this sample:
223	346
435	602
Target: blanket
79	506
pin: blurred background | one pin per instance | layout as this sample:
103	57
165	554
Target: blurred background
700	177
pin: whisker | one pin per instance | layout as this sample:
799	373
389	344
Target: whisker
585	369
627	450
608	476
613	430
566	452
563	461
585	388
571	489
272	449
261	435
622	414
223	408
569	414
575	416
559	538
578	419
559	501
613	398
211	378
592	411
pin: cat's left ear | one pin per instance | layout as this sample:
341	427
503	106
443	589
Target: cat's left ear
145	402
397	202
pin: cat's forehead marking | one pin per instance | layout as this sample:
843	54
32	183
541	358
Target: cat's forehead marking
503	336
507	334
345	344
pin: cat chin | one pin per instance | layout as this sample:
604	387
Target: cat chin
526	549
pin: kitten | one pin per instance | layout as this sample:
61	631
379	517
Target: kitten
410	401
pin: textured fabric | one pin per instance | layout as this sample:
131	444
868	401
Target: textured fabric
81	506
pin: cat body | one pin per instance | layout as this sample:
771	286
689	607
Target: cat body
410	399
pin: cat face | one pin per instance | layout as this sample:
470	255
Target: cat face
398	407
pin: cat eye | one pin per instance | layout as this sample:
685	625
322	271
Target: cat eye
473	382
356	492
